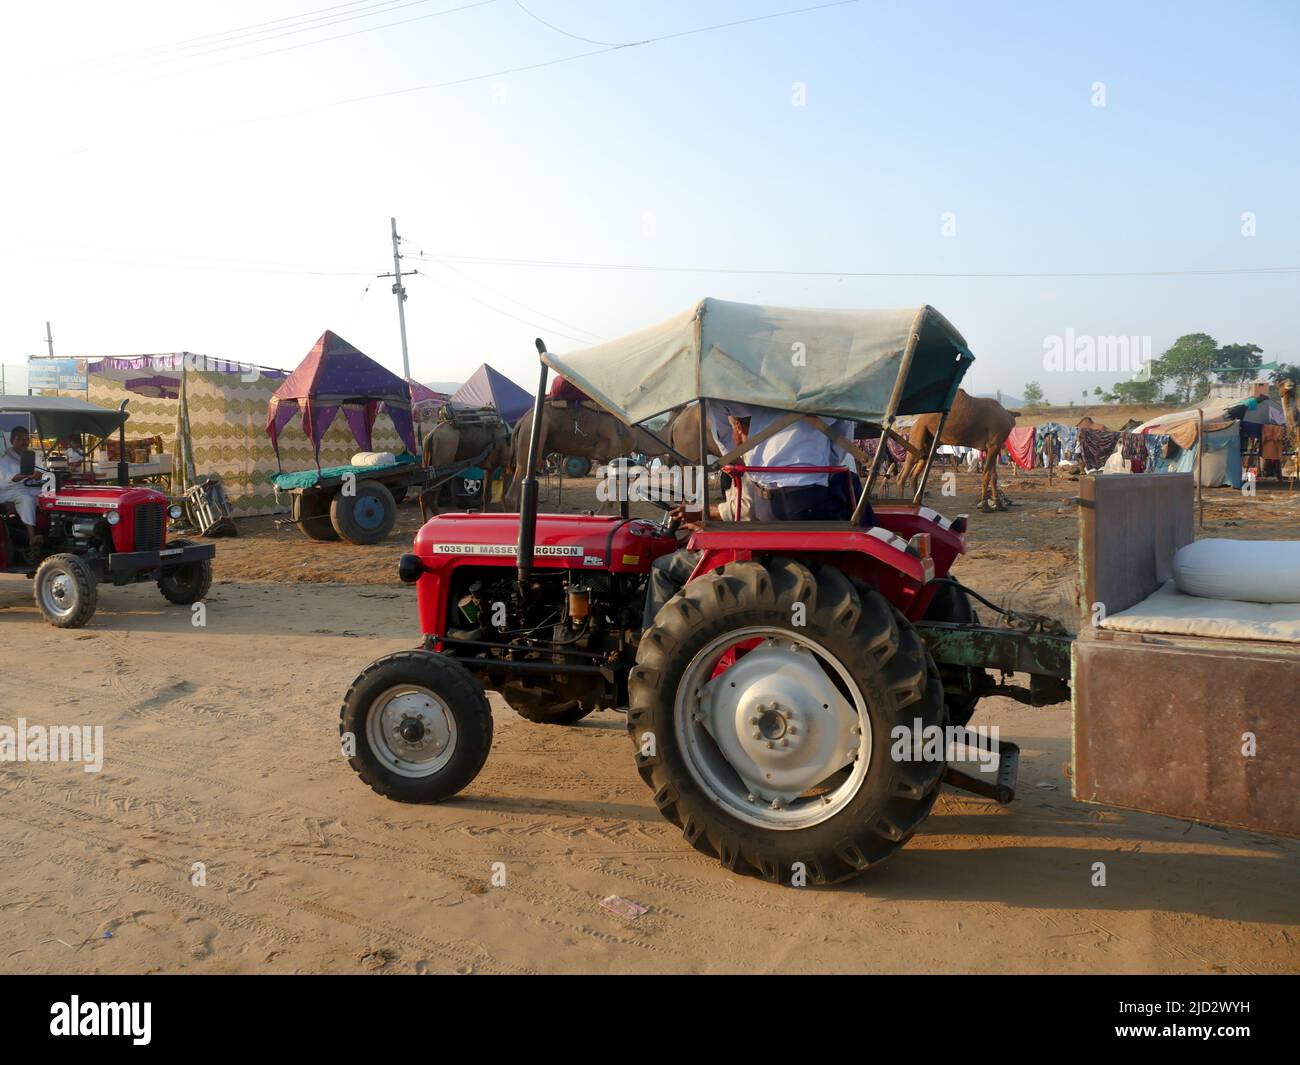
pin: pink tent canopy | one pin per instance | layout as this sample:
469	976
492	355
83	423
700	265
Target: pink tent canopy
335	376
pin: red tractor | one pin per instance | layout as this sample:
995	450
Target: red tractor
765	702
93	532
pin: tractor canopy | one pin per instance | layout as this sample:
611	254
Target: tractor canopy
860	365
58	416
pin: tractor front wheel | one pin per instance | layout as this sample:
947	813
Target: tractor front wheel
765	704
187	583
416	726
66	591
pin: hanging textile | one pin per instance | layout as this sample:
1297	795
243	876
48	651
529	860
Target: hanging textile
1096	446
1020	446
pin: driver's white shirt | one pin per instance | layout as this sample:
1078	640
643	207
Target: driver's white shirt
11	491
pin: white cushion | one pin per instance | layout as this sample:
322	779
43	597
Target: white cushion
1252	571
373	458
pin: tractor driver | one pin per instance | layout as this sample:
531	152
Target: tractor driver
783	496
12	487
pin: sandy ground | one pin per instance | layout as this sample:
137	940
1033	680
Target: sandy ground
221	749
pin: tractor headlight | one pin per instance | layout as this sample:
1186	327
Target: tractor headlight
112	517
175	511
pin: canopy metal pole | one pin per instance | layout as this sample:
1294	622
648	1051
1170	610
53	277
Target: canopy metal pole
704	461
929	459
528	487
875	467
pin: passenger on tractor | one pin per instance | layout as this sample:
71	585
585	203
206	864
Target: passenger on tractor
13	486
781	496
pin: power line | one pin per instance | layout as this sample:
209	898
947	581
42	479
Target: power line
566	33
526	67
305	44
507	314
649	268
511	299
253	30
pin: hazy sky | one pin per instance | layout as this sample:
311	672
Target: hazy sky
220	197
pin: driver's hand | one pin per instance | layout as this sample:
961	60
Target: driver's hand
20	477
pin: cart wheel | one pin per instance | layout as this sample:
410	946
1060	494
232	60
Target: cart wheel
187	583
314	516
365	517
770	744
419	726
577	466
66	591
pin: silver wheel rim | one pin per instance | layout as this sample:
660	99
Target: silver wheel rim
411	731
58	593
772	738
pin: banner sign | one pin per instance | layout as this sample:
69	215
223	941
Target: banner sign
44	372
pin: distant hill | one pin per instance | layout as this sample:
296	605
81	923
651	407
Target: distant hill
443	386
1007	400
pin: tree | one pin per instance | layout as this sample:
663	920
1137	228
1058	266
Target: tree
1245	356
1143	392
1033	394
1097	391
1285	371
1187	364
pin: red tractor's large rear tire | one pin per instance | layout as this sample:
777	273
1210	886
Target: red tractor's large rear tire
66	591
416	726
726	747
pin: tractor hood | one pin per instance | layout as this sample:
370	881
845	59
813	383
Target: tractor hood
99	497
567	541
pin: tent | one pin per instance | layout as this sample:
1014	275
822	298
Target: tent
1222	438
336	376
489	388
223	416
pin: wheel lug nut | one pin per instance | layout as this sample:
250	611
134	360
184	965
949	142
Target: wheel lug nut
770	743
785	743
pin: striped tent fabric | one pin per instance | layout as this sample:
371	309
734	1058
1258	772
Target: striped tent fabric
227	416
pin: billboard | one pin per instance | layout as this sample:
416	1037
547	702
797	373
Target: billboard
46	372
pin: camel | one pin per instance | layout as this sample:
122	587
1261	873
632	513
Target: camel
449	442
584	430
683	433
1286	396
978	423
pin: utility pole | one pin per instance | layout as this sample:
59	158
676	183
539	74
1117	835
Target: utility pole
49	339
399	290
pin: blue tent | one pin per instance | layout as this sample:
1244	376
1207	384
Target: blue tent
488	388
1222	463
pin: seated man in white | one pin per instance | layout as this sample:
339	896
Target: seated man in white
12	487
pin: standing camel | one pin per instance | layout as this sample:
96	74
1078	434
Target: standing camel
683	433
1286	394
978	423
585	431
449	442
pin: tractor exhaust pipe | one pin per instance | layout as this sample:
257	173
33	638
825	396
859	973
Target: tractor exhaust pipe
528	487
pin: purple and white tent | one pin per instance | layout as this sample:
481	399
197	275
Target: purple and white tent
335	376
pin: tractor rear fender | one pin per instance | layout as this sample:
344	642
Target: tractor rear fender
876	556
